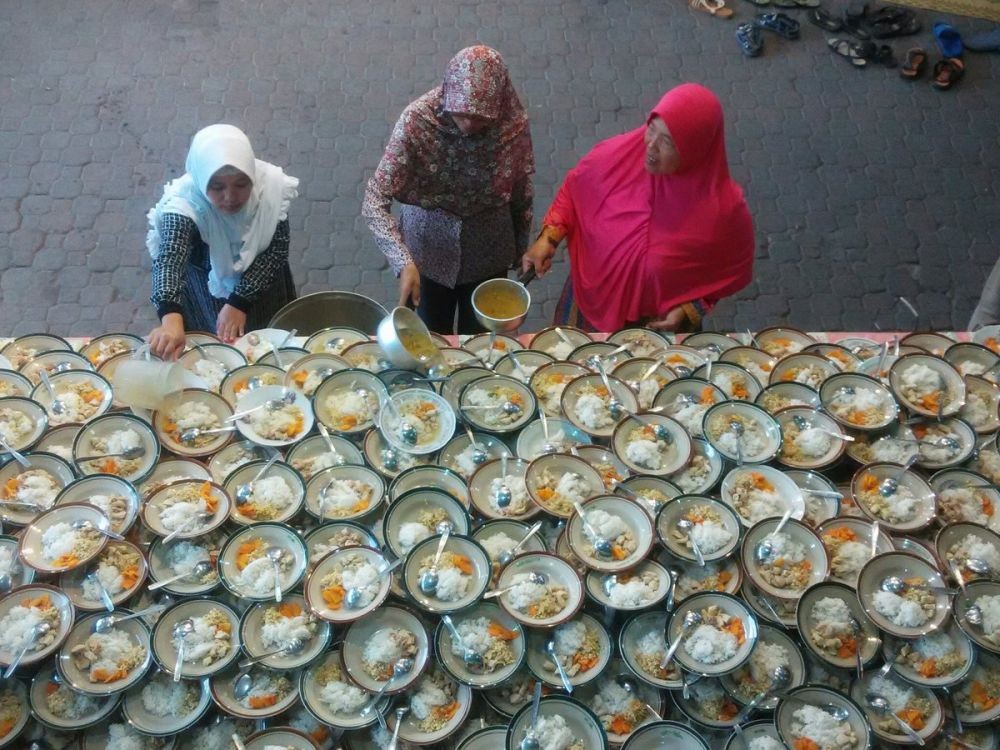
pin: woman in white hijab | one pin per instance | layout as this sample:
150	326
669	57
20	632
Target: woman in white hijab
219	242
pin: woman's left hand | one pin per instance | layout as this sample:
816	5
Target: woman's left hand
673	320
231	324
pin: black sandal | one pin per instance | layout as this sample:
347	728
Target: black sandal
947	73
825	21
849	50
781	24
916	62
750	38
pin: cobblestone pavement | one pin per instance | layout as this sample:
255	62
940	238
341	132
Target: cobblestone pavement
863	186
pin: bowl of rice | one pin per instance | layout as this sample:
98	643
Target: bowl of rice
820	506
621	713
272	692
780	341
716	529
741	430
563	436
180	558
586	403
350	567
39	485
927	385
642	646
163	708
429	415
808	438
522	365
582	645
982	405
212	363
343	493
62	709
484	403
24	608
660	734
724	639
388	461
458	455
277	427
798	558
490	632
801	719
654	492
652	444
687	400
208	649
858	402
760	492
622	522
537	604
919	707
466	371
306	373
348	401
944	443
758	363
373	644
172	470
438	708
735	381
20	575
633	373
249	573
549	381
232	457
644	586
464	573
51	544
839	356
268	626
910	507
255	344
932	342
120	570
556	481
115	434
723	576
957	543
986	596
172	507
559	341
824	622
562	722
117	498
102	664
14	713
83	395
977	699
428	475
415	516
22	422
500	535
484	486
195	409
774	649
848	543
332	697
242	381
314	454
935	660
782	395
332	536
915	611
276	497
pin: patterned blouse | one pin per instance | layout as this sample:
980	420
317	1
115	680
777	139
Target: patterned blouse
181	244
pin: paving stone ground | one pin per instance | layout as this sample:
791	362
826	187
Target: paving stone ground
863	187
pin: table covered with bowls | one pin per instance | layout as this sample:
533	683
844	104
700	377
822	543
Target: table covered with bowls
555	541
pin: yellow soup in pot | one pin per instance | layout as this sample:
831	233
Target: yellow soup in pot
500	303
417	344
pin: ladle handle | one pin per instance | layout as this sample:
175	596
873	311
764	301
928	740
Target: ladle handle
527	276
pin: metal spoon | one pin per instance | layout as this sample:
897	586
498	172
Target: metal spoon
838	713
472	659
275	554
295	646
394	741
602	546
201	517
563	337
536	577
242	686
803	424
56	406
880	705
896	585
781	676
856	631
507	407
6	584
686	526
547	446
129	454
509	554
530	741
401	668
193	433
84	524
429	578
14	454
504	495
180	632
518	369
36	632
550	649
105	624
973	615
103	592
335	344
891	484
199	571
353	596
479	454
329	442
272	404
764	549
691	620
953	707
615	407
244	493
978	567
736	427
675	576
629	685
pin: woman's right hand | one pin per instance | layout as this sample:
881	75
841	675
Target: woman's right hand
409	285
539	256
167	340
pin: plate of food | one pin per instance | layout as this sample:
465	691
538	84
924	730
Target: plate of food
274	416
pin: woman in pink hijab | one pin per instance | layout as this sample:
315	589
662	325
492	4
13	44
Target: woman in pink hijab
657	230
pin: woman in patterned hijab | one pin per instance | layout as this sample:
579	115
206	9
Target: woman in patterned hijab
459	161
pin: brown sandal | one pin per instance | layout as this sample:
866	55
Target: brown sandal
947	73
916	61
714	7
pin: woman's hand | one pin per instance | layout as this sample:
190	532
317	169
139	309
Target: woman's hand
167	339
539	256
231	323
409	285
671	322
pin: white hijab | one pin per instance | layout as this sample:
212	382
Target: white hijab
234	240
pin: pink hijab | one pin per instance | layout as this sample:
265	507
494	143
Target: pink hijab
641	244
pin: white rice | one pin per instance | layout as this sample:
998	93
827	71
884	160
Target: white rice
645	453
765	743
573	487
463	463
592	411
428	696
343	698
474	634
194	414
212	372
822	728
813	442
561	350
553	733
14	426
452	585
283	630
123	737
494	545
901	612
710	645
411	534
710	536
833	612
258	577
161	696
57	540
520	501
632	594
365	579
604	524
109	577
690	415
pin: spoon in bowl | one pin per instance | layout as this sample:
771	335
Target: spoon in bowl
180	632
472	659
504	558
394	740
736	427
105	624
896	585
37	631
626	683
686	526
691	620
530	741
85	524
193	433
198	572
479	454
401	668
536	577
764	549
603	547
354	595
102	591
294	647
891	484
200	518
880	706
129	454
244	493
429	578
275	555
56	406
504	495
550	649
14	454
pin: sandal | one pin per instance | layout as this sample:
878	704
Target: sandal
781	24
885	56
916	62
714	7
947	73
856	27
948	40
750	38
825	21
849	50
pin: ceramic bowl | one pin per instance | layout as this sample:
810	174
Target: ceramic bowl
13	384
453	664
557	466
223	683
949	383
913	494
634	642
558	573
806	620
978	591
602	423
790	727
522	364
563	435
255	344
841	530
300	409
330	536
694	507
710	343
99	430
162	640
266	535
540	664
332	392
15	694
729	605
20	575
325	508
169	433
362	631
740	684
795	421
930	341
89	682
594	696
559	342
242	381
167	561
735	381
410	730
635	519
671	455
92	389
775	611
32	547
603	587
306	373
27	413
29	596
207	493
311	692
99	490
258	615
976	714
780	341
758	363
650	492
334	340
840	392
457	454
458	547
815	558
785	493
928	672
403	402
549	382
841	357
258	509
493	391
286	738
581	721
761	439
982	405
953	550
315	453
933	721
46	680
908	567
417	477
388	461
783	395
172	470
418	506
73	583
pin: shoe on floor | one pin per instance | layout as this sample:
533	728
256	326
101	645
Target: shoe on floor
916	63
750	38
948	40
947	73
988	41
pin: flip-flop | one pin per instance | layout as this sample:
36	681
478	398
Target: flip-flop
716	8
947	73
985	42
948	39
849	50
825	21
781	24
916	62
750	38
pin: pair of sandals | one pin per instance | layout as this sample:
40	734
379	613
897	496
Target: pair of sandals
717	8
860	54
947	72
750	35
883	23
